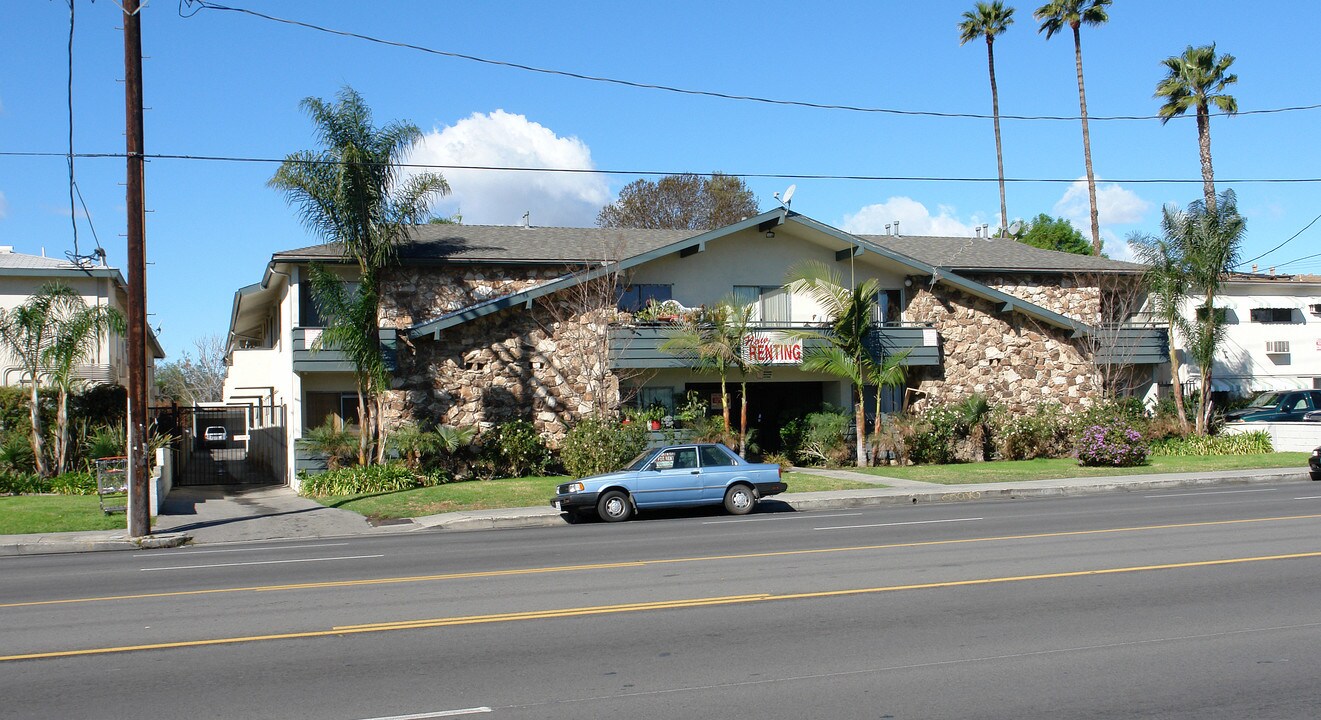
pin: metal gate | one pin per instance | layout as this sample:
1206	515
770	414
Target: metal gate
225	445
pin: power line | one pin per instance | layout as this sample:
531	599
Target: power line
205	5
1286	242
599	171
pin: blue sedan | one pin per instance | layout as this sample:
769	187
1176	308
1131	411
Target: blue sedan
685	475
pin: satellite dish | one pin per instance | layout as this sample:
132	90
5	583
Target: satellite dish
788	196
1015	227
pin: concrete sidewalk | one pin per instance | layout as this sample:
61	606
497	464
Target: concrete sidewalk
216	514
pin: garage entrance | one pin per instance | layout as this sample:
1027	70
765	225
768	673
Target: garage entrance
224	445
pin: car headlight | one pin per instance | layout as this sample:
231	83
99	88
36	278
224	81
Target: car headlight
573	487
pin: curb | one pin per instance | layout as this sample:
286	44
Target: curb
54	544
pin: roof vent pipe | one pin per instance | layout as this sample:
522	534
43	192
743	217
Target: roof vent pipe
977	231
896	228
887	228
1272	272
1254	268
527	219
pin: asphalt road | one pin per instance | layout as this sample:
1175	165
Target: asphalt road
1175	604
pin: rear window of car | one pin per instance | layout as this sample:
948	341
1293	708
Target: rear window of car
715	456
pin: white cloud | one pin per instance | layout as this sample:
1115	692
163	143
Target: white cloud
492	197
1114	206
913	217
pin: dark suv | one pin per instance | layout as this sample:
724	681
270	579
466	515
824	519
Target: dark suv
1288	406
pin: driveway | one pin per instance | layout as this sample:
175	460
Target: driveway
236	513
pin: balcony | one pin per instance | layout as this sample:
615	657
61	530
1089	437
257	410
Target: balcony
639	346
1131	344
308	360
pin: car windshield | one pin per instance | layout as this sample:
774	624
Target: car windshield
640	461
1266	400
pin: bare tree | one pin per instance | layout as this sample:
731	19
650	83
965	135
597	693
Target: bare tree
1118	330
195	377
578	319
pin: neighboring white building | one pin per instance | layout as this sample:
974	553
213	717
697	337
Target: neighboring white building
1272	334
21	276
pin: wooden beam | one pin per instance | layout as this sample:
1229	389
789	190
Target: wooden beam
692	250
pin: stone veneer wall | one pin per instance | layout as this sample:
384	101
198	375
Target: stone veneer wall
1009	358
547	364
1077	298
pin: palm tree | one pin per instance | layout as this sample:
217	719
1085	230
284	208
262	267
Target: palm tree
1196	79
890	372
712	343
844	351
990	19
739	319
1169	283
1214	238
77	336
1053	16
351	193
50	335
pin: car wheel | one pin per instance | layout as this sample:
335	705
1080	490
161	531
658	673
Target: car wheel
614	507
1316	475
739	500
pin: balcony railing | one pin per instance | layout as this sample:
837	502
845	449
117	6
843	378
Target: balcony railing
638	346
1131	344
324	360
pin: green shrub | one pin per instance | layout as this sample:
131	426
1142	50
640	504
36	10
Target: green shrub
20	483
390	477
1113	443
932	437
1043	433
73	483
596	446
515	449
1251	443
336	446
826	437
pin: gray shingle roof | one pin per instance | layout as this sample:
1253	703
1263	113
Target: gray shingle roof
983	255
518	244
20	261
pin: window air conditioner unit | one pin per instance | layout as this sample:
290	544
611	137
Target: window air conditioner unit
1277	347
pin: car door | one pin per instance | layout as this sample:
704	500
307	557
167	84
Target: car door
718	468
672	478
1293	407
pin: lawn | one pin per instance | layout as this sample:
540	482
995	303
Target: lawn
1051	468
23	514
508	493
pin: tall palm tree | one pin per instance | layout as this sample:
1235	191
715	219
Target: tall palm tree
844	351
989	20
352	193
890	372
1196	79
1169	281
1215	237
1053	16
348	313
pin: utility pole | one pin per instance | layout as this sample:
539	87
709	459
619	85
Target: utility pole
139	515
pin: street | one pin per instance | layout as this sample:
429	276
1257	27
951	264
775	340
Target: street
1200	603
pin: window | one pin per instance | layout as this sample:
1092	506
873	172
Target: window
1222	315
771	303
1272	315
310	314
713	456
653	396
340	408
635	297
889	306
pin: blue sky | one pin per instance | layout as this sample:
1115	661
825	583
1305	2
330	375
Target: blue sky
227	84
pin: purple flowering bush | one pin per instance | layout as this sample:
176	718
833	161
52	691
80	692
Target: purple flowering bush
1111	443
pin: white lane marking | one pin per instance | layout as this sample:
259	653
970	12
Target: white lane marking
1309	497
252	549
912	522
779	517
259	562
442	713
1210	492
